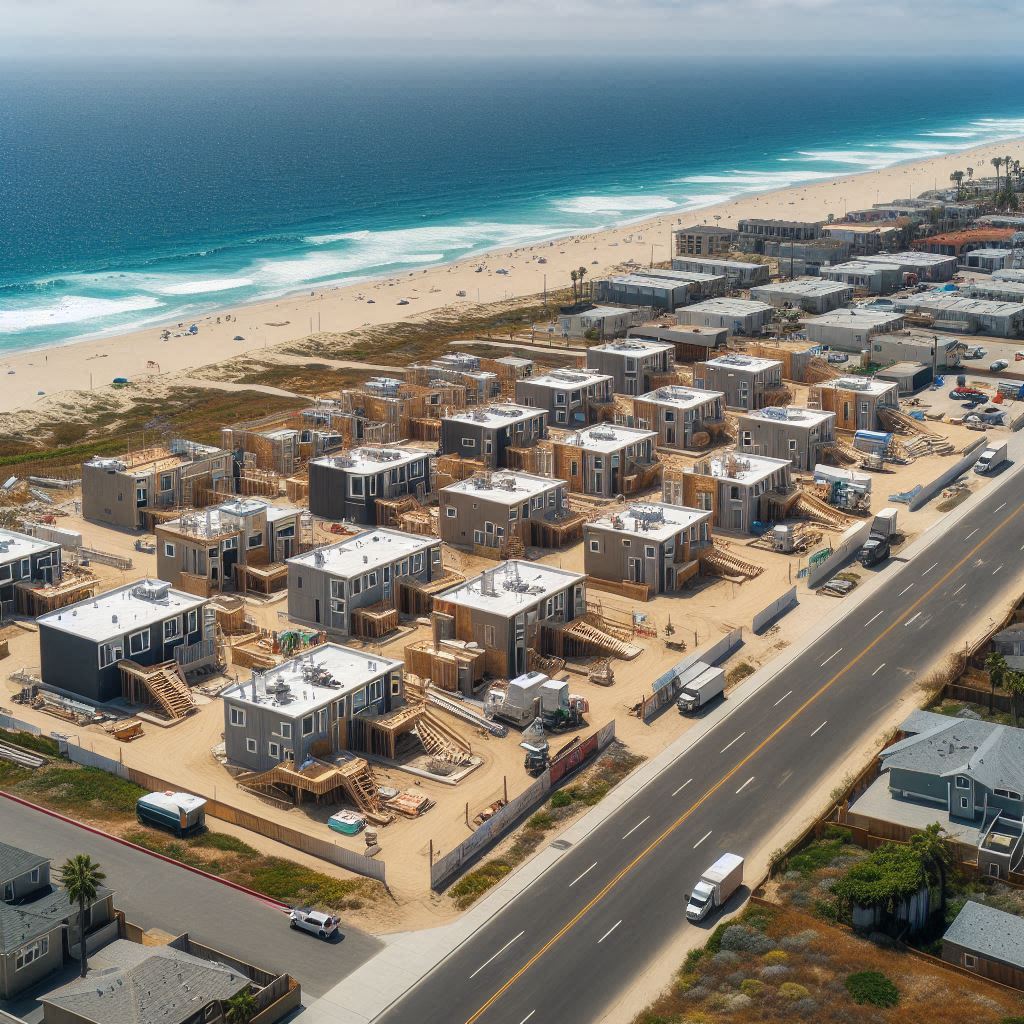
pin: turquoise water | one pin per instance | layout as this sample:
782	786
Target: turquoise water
149	194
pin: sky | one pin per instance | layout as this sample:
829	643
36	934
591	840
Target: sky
570	29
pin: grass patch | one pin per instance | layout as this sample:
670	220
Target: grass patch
86	792
873	988
950	503
816	856
29	741
739	672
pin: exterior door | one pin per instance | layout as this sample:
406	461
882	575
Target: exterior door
636	570
316	610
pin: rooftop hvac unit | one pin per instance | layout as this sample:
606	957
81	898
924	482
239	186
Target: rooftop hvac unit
152	590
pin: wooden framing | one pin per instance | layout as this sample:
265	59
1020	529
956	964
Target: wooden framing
34	599
375	621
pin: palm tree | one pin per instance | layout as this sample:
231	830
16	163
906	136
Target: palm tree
1014	683
997	162
996	665
241	1007
970	173
957	178
581	273
573	276
81	877
930	846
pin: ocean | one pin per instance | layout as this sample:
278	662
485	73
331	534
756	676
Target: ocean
146	193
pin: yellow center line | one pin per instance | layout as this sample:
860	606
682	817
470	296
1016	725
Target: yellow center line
655	843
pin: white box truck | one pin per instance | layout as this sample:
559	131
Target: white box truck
993	455
715	887
701	690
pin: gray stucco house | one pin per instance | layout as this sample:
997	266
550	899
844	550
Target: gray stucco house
748	382
606	460
987	941
82	645
348	486
571	398
787	432
633	363
25	560
677	412
327	585
652	543
485	433
278	715
38	925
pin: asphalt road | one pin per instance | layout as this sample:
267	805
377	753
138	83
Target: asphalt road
155	894
564	949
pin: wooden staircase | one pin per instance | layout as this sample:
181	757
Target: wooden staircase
717	561
441	742
162	684
808	506
600	641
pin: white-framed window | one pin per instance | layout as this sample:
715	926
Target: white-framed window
250	745
6	572
172	628
33	951
962	782
488	636
255	540
307	726
355	486
649	550
964	803
193	620
166	483
33	876
1010	794
371	580
376	689
339	708
396	685
110	653
595	545
285	730
321	720
358	701
274	749
469	442
236	716
970	961
451	511
168	549
417	562
138	642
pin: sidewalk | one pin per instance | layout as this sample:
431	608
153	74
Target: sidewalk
410	956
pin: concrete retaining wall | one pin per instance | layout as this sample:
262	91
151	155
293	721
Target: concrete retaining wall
948	475
767	615
852	541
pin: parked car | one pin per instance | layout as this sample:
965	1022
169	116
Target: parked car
999	364
966	395
838	357
975	352
323	926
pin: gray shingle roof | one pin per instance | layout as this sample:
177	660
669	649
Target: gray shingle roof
992	755
15	861
157	985
988	932
27	921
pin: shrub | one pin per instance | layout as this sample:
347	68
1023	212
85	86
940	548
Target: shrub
799	941
752	987
775	956
816	856
872	987
725	956
226	843
684	982
692	959
741	939
541	821
774	971
562	798
714	944
791	990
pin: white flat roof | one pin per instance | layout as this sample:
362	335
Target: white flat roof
921	259
494	415
506	486
790	414
363	552
511	586
603	311
562	379
606	438
643	281
314	678
724	264
865	385
801	286
122	610
634	347
857	317
745	469
679	396
729	307
654	519
686	276
212	522
991	254
372	460
860	267
747	364
960	304
14	546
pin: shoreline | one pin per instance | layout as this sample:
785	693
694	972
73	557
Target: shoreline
81	363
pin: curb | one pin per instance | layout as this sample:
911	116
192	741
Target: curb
269	900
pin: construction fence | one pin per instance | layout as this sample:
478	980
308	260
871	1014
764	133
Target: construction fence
315	847
491	830
851	541
767	615
666	688
12	724
948	475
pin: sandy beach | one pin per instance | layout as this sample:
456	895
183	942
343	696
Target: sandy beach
507	273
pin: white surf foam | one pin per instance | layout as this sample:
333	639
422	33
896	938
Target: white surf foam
187	287
605	205
71	309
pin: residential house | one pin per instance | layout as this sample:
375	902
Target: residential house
651	543
942	353
987	260
734	486
969	315
606	460
702	240
328	585
677	413
633	364
590	321
851	330
755	232
689	343
241	545
119	491
987	941
699	285
995	289
746	317
869	239
349	485
856	401
1009	642
748	382
491	510
511	609
308	704
482	386
800	259
925	266
811	294
25	561
641	290
787	432
867	277
487	433
571	398
82	646
39	924
740	273
960	243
